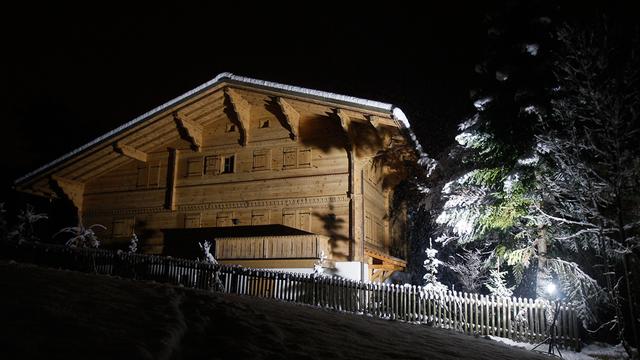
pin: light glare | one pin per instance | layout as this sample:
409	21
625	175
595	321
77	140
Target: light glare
551	288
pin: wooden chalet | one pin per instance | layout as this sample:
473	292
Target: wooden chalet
273	174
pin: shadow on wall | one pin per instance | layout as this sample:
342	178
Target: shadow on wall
323	133
334	228
233	117
274	108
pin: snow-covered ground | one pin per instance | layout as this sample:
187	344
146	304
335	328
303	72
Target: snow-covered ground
62	314
589	352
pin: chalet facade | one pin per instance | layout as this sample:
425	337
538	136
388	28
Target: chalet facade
275	175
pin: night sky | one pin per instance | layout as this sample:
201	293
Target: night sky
69	75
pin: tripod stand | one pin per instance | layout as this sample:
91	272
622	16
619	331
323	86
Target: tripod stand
551	338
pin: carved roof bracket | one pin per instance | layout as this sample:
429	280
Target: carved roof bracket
242	109
345	123
73	190
385	136
291	115
345	120
189	131
130	151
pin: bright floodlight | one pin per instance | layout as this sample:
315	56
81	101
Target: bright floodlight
551	288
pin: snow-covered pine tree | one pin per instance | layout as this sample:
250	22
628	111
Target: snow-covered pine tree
3	222
83	237
208	257
497	284
318	268
431	264
488	199
592	167
133	243
24	229
470	269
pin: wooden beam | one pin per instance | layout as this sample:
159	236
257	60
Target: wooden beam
385	258
378	121
345	120
292	116
242	109
374	121
73	190
385	137
385	267
189	131
172	177
130	151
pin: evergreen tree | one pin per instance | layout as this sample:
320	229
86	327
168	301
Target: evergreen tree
590	179
133	243
489	197
431	264
207	256
3	222
318	265
25	229
497	284
81	236
469	269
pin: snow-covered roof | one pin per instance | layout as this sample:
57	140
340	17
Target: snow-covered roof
396	112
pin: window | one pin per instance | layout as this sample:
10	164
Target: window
142	176
300	219
123	227
229	164
212	165
261	160
264	123
154	174
290	158
304	158
192	220
259	217
148	175
295	158
194	167
224	219
379	233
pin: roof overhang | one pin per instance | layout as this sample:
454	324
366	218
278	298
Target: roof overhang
108	139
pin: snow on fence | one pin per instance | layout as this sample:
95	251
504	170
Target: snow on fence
514	318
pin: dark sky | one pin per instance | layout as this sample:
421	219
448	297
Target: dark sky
69	74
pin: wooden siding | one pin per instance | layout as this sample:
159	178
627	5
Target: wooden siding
271	247
290	168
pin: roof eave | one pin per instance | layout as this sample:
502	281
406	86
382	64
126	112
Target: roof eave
225	77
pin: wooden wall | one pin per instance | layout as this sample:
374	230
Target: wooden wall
301	183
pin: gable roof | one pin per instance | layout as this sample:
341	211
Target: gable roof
227	77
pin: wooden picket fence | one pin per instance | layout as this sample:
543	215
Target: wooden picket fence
514	318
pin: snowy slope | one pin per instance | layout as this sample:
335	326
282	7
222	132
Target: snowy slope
62	314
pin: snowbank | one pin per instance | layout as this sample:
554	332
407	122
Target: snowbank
62	314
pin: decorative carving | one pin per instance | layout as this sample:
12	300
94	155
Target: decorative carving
385	136
375	121
291	115
242	109
130	151
337	201
345	120
73	190
189	131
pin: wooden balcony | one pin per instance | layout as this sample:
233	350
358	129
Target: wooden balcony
271	247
